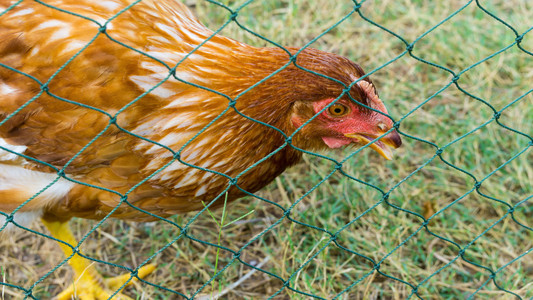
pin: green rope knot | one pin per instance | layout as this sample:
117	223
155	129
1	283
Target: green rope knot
102	29
333	237
455	78
44	88
9	218
338	166
237	254
497	115
232	103
287	213
288	140
177	156
184	231
172	72
439	151
61	173
377	266
386	196
410	47
425	223
233	181
113	120
396	125
461	252
510	210
477	185
135	273
233	16
519	39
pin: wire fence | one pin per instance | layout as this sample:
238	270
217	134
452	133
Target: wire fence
286	283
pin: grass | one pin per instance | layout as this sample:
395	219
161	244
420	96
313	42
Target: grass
392	232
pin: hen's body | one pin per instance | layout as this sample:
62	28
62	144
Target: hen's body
89	125
109	78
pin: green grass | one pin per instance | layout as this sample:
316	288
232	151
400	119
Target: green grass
392	232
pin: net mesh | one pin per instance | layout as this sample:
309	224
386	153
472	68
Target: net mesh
462	255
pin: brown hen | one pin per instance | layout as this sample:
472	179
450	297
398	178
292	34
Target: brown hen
165	127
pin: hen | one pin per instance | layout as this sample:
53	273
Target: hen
146	108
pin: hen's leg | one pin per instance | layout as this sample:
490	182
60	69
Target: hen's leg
88	283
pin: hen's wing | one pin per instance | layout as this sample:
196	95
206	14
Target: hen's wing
37	41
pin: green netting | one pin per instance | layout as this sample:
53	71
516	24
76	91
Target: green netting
287	282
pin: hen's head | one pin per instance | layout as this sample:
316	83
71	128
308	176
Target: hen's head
331	114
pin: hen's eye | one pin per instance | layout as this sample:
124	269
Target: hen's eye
337	110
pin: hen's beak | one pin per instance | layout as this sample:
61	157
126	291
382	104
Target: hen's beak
383	146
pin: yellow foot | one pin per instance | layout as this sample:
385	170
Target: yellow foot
91	286
88	283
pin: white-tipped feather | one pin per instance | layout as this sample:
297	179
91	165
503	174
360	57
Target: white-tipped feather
14	177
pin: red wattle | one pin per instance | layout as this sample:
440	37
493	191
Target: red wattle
334	142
